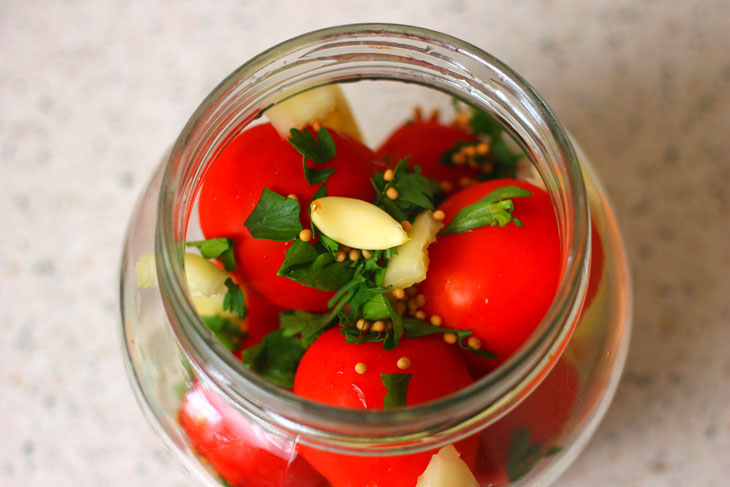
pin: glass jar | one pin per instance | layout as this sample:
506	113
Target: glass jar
532	415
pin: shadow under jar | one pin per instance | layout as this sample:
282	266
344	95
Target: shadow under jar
533	414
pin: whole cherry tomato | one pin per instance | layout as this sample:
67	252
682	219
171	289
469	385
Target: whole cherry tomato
425	142
327	373
256	159
497	282
542	414
242	453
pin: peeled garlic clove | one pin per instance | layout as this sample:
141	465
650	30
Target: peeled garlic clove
325	104
356	223
204	278
410	265
446	469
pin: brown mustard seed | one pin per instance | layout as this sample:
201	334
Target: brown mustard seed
474	343
353	254
446	186
420	300
403	363
378	326
482	148
362	325
340	256
450	338
400	306
420	314
436	320
293	197
469	150
399	293
438	215
458	159
361	368
407	227
388	175
462	119
366	254
412	305
465	182
392	193
412	291
305	235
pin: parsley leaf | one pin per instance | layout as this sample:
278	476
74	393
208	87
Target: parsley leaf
397	385
225	330
217	247
276	358
315	176
274	218
411	328
415	191
493	209
320	150
313	266
522	457
233	301
308	325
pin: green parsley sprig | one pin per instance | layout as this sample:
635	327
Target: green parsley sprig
501	159
523	456
319	150
397	386
494	209
275	217
226	331
413	328
415	191
214	248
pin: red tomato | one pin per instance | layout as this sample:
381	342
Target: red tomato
256	159
497	282
425	142
543	412
327	374
242	453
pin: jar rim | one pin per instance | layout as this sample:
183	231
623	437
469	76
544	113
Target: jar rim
430	424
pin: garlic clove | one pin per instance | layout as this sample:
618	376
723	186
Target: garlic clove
356	223
410	265
204	278
324	104
447	469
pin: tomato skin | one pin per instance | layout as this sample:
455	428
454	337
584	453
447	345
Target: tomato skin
327	374
241	452
425	142
543	412
256	159
497	282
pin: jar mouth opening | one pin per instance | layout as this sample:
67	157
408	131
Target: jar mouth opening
399	53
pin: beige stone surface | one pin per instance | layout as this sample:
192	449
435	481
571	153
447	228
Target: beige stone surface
92	92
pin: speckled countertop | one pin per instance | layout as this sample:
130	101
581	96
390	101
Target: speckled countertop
92	92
